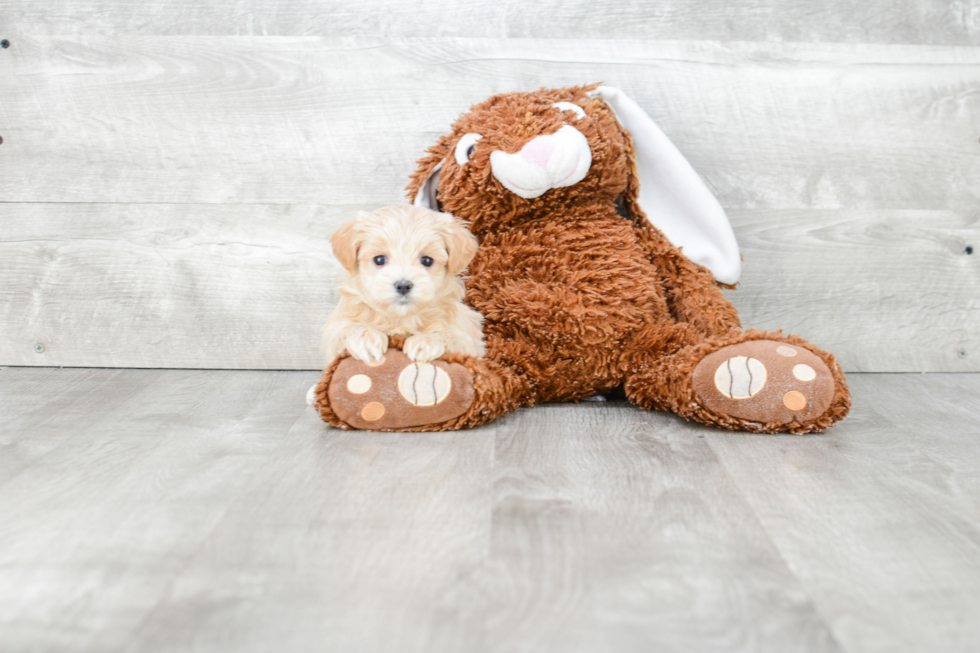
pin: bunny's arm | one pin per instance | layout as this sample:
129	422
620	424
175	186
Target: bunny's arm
692	294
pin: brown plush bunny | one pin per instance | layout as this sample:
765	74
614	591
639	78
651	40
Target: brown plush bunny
599	253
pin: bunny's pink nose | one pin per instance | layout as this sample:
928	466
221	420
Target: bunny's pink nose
539	150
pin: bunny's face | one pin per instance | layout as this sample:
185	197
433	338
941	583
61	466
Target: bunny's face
563	155
519	156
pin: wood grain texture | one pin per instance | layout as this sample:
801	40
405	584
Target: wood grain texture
94	532
348	541
190	286
616	529
213	511
249	286
877	518
849	171
43	408
876	21
342	120
888	291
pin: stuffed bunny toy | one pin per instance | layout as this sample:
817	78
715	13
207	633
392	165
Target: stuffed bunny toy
601	252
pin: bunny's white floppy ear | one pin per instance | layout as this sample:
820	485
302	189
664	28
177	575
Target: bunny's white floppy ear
426	197
673	196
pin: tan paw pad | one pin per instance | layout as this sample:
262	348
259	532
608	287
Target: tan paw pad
359	384
794	400
764	381
804	372
740	377
424	384
397	393
372	412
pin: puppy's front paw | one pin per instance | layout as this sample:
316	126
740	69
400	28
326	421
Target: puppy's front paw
368	345
424	347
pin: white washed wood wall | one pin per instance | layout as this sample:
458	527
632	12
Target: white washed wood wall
170	171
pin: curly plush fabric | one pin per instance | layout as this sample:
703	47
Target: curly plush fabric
581	294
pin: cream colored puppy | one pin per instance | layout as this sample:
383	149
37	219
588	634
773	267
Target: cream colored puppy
403	263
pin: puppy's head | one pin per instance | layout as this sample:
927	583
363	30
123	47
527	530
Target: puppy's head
404	258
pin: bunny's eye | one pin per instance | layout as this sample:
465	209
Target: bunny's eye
568	106
426	261
380	260
466	148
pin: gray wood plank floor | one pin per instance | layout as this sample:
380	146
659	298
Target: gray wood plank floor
152	510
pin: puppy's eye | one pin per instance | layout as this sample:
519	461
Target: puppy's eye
380	260
466	148
568	106
426	261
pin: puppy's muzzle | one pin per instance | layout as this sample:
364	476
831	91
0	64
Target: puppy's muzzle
403	286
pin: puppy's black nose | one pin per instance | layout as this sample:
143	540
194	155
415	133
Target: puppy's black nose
403	286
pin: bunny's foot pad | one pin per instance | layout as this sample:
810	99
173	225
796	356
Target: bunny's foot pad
399	393
764	381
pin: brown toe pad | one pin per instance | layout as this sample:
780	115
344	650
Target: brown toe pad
764	381
399	393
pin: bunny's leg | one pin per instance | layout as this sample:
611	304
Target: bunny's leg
449	394
751	381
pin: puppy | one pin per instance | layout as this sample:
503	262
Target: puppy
403	263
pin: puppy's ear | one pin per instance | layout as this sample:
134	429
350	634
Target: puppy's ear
460	244
345	242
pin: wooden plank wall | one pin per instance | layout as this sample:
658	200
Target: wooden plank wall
171	170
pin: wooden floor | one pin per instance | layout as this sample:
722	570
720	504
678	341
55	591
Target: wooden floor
169	510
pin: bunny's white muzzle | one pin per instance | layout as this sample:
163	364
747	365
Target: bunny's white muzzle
553	161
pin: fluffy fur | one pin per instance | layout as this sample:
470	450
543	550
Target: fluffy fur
389	247
580	293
